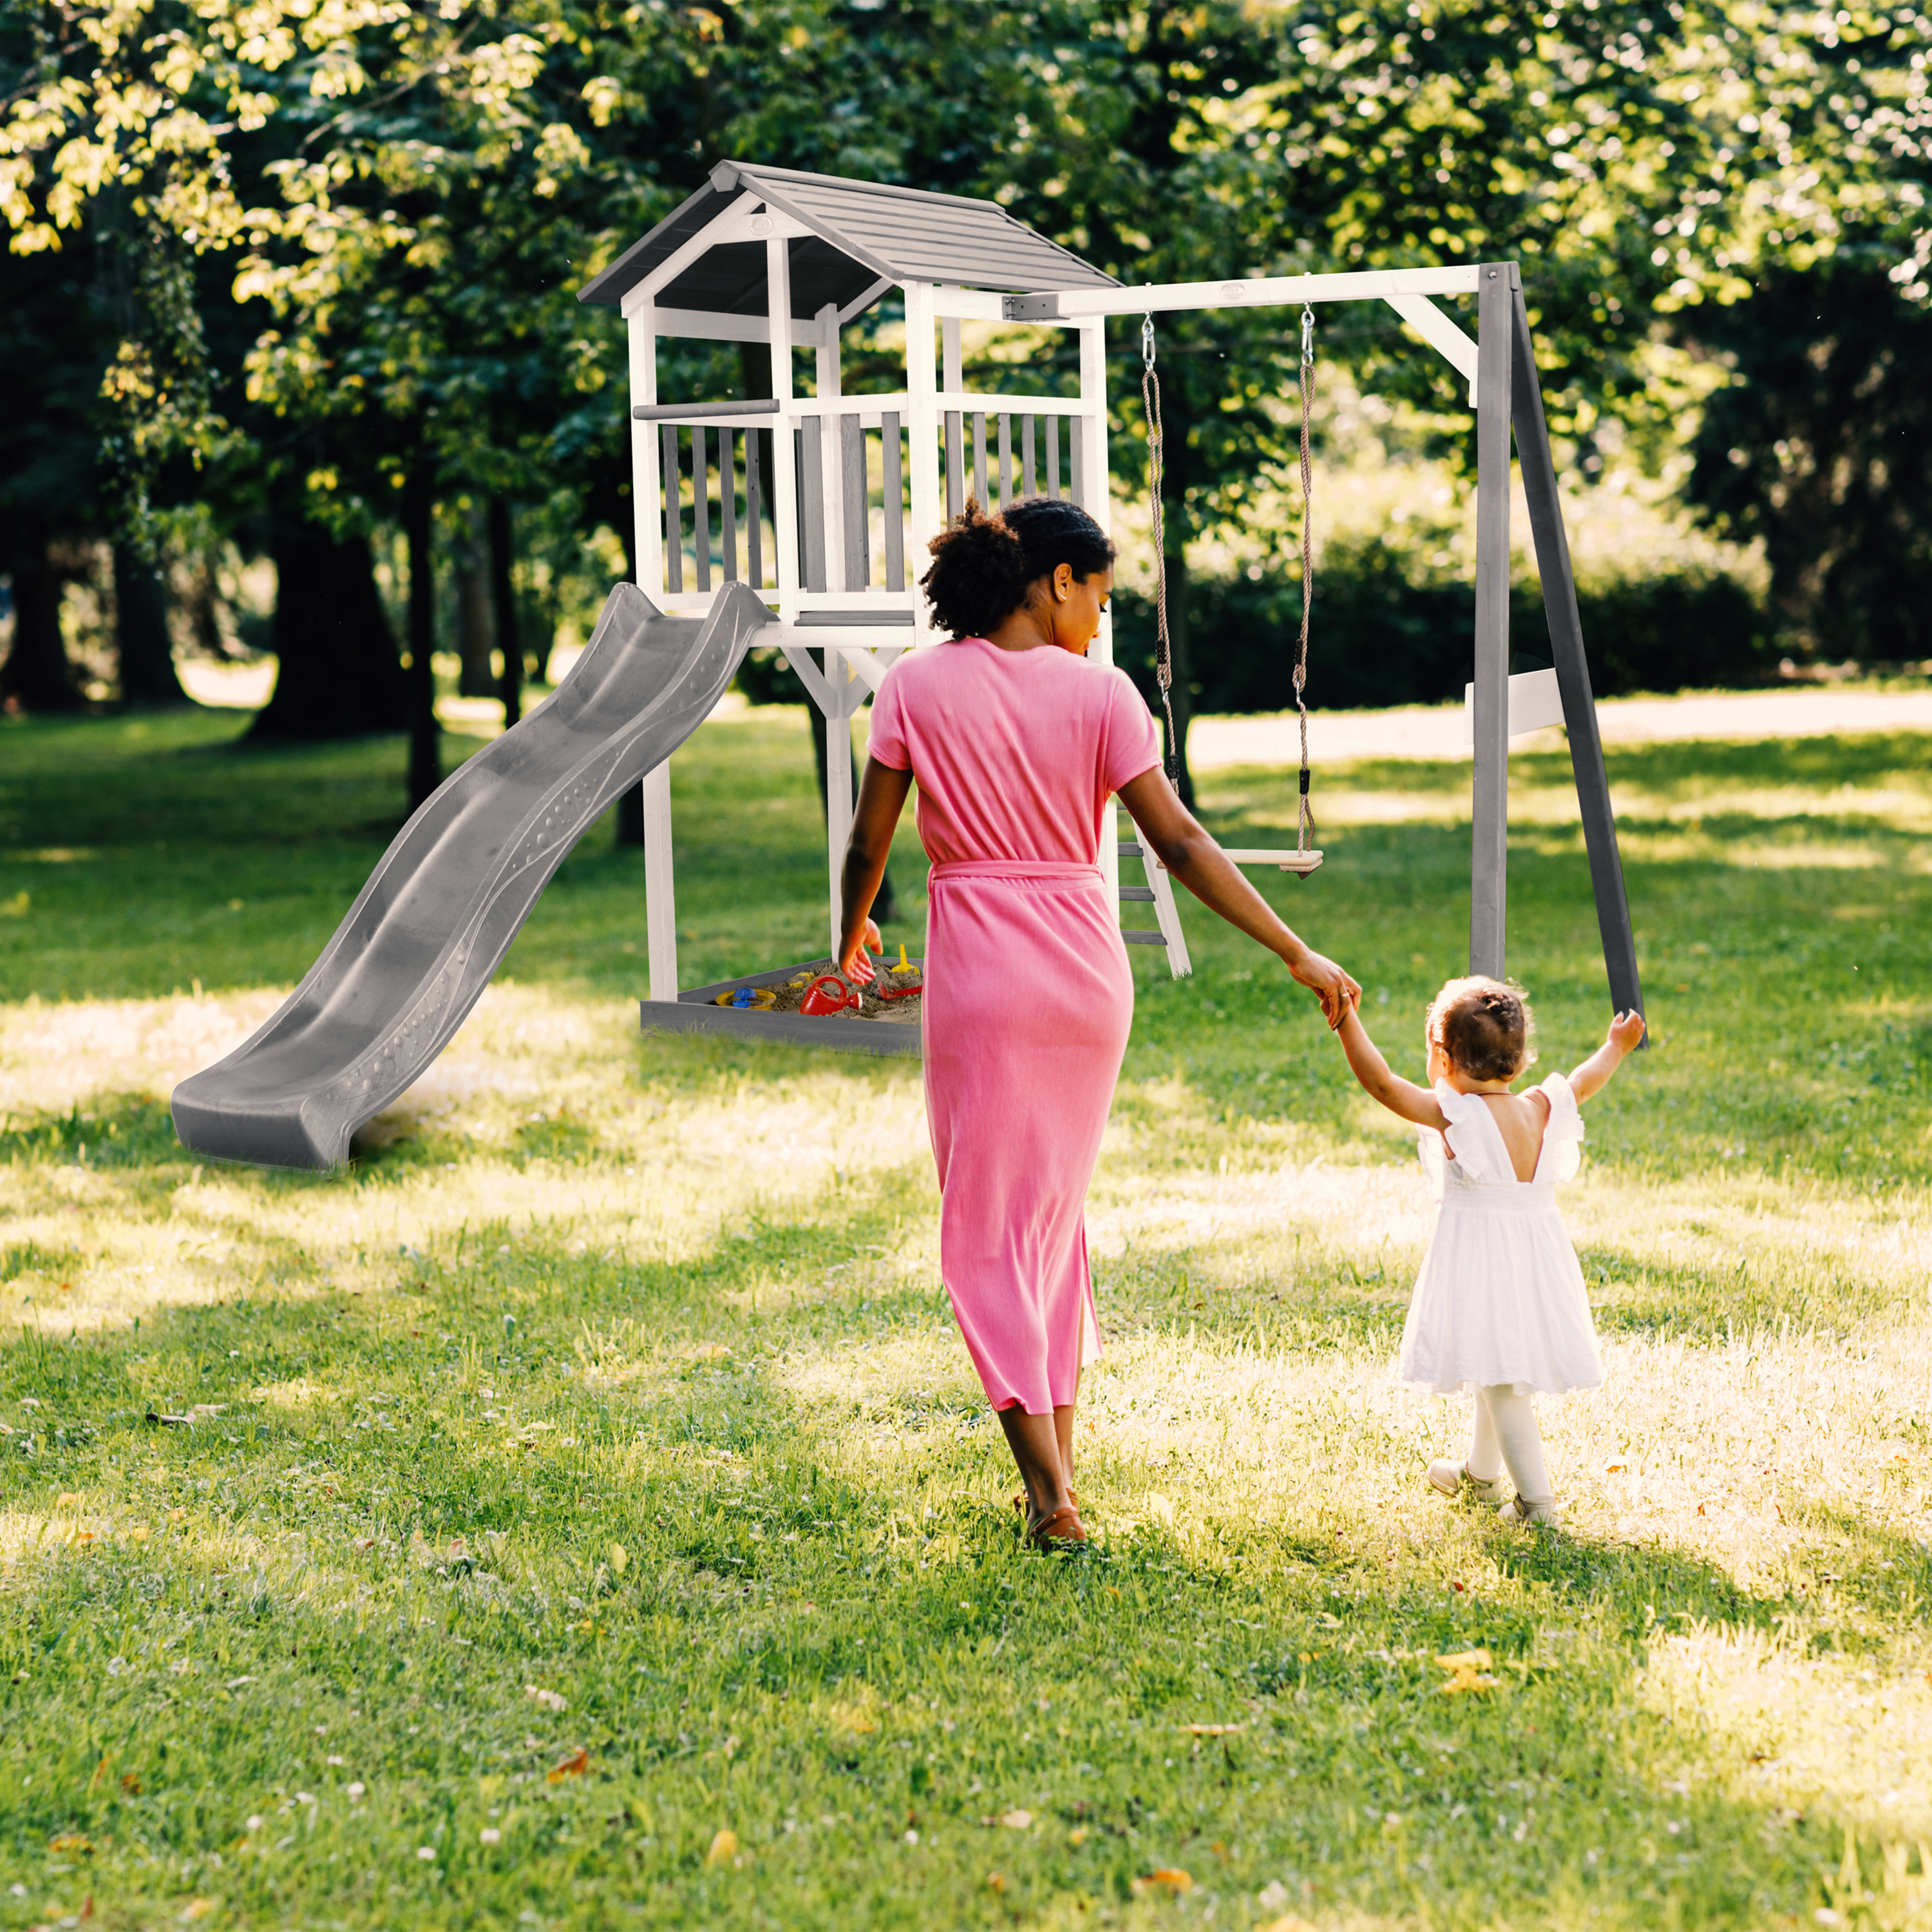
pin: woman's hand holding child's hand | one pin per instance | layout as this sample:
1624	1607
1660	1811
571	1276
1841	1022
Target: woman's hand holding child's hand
1330	984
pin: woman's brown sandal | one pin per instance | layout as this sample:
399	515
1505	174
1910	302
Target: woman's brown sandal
1062	1529
1020	1499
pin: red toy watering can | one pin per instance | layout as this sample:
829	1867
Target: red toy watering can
828	995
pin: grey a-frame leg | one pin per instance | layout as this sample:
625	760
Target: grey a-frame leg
1507	389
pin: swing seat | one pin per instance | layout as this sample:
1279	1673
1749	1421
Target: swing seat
1301	863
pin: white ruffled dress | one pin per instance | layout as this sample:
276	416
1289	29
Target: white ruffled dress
1500	1297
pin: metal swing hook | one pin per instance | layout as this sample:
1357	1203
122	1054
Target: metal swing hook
1146	340
1307	336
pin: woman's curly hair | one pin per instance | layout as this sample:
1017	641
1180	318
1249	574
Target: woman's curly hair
1484	1027
984	567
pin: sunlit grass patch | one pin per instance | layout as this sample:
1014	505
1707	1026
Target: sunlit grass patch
584	1508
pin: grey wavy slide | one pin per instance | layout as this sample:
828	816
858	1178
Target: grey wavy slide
439	913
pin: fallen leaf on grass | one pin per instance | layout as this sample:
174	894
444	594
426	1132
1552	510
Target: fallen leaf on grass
723	1848
196	1908
995	1881
71	1841
551	1700
67	1499
1017	1821
1078	1837
1169	1878
618	1558
1213	1730
1468	1670
130	1784
575	1766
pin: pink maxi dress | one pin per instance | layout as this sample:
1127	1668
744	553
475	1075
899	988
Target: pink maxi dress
1029	997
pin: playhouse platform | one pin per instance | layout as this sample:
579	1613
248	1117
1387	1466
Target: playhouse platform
698	1011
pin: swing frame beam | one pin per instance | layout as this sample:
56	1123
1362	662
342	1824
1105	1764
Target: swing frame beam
1500	364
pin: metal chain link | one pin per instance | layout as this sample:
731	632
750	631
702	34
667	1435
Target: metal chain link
1163	653
1306	821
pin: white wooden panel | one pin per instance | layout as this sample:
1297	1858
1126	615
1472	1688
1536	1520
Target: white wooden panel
922	438
660	896
646	475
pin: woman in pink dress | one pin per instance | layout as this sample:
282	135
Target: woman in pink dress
1016	742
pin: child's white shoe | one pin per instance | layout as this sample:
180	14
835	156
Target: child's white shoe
1544	1515
1452	1479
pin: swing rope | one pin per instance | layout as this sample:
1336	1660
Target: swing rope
1163	652
1306	822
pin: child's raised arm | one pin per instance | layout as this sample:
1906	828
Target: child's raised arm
1594	1075
1403	1098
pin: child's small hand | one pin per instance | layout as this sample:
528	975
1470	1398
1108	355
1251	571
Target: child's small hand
1627	1030
856	966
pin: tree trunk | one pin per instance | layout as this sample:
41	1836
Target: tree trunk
141	627
1174	508
338	675
503	600
37	675
425	751
475	631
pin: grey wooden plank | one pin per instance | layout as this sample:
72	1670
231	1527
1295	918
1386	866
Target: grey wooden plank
857	533
754	509
673	512
1030	488
700	506
1573	673
980	457
1053	456
894	493
811	501
1005	458
1076	444
727	499
955	463
1488	856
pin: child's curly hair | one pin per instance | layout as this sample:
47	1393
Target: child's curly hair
984	568
1484	1027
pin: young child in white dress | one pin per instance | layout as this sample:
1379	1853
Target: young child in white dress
1499	1308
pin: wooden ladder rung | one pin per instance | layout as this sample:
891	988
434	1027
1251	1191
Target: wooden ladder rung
1142	892
1134	937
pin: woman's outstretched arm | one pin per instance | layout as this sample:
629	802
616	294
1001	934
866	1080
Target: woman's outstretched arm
882	797
1185	848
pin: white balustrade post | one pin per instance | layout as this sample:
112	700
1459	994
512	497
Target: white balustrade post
831	448
783	481
660	895
922	442
845	690
1095	492
647	474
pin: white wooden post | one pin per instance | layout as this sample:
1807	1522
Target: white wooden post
845	690
1095	492
955	379
921	441
831	472
783	481
647	474
660	896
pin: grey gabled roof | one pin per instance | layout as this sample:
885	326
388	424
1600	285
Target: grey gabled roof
863	233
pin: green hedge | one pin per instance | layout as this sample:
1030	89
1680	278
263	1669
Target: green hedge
1384	633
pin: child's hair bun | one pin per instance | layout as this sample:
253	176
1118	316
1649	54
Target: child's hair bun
984	567
1484	1027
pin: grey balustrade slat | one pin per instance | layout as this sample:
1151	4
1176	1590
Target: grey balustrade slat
1031	488
852	466
955	463
727	498
980	457
1053	456
674	514
1005	458
754	507
811	499
894	508
700	506
1076	444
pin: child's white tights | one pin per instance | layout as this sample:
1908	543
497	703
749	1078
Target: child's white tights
1506	1436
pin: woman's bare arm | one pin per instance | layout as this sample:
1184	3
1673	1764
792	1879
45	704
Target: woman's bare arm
882	797
1402	1097
1182	845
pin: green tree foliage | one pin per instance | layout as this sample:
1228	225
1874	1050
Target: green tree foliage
1821	446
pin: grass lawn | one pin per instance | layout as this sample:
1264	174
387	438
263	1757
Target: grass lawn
583	1512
